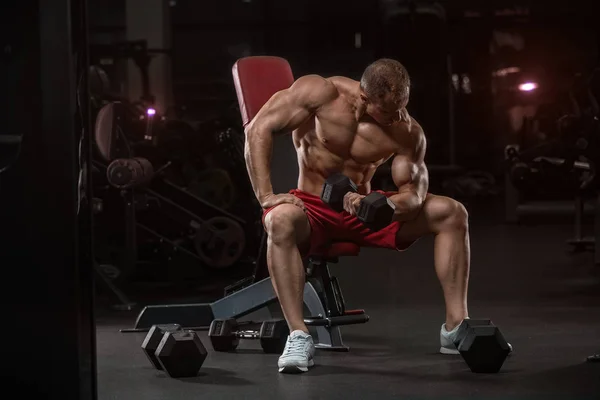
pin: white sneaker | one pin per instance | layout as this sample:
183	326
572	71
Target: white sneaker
298	353
447	341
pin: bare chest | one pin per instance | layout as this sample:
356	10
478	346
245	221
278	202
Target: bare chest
360	142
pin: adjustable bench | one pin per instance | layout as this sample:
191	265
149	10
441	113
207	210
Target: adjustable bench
256	80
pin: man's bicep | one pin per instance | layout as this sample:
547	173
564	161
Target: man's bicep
422	181
410	175
409	170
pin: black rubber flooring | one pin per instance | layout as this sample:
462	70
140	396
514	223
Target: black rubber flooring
545	300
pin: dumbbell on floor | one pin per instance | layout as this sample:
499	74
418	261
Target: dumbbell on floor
593	358
153	338
225	334
179	352
482	345
376	210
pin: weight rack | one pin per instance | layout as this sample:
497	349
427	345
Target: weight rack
580	207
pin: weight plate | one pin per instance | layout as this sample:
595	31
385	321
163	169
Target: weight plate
220	242
124	173
215	186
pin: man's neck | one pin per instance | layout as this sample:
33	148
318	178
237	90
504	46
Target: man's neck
359	104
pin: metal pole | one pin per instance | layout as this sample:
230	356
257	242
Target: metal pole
44	203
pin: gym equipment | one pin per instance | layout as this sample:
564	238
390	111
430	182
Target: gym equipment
151	219
376	211
125	173
215	186
181	353
579	242
482	345
273	335
153	339
138	52
533	171
99	82
219	241
109	274
225	334
324	307
106	280
335	188
232	145
558	168
563	169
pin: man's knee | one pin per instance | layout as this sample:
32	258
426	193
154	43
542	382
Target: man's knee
281	223
458	217
451	214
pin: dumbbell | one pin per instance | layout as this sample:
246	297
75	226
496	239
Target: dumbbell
225	334
335	188
593	358
375	210
482	345
179	352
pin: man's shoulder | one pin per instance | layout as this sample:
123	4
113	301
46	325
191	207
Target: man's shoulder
341	80
316	85
331	84
315	80
342	83
410	136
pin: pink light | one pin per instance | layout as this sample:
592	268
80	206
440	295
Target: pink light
151	112
528	86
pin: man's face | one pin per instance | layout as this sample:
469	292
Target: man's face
385	111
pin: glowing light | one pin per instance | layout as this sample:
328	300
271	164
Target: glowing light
528	86
506	71
151	112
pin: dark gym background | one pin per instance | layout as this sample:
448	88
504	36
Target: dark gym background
487	77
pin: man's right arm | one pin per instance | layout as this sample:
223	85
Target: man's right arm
283	113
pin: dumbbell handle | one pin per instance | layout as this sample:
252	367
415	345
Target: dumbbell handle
363	209
247	334
336	321
328	189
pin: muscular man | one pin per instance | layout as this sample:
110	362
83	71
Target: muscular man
341	125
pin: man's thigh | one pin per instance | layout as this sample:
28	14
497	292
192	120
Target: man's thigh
401	235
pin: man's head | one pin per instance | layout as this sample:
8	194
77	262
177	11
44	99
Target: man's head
385	88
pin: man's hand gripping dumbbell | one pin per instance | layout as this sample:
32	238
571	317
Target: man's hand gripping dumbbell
374	210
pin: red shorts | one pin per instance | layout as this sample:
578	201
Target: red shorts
329	226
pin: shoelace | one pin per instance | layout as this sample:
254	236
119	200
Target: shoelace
295	344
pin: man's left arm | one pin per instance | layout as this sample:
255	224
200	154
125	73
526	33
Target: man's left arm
410	175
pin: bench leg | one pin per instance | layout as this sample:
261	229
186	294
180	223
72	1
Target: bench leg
326	338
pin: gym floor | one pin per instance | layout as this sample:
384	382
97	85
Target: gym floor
545	300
